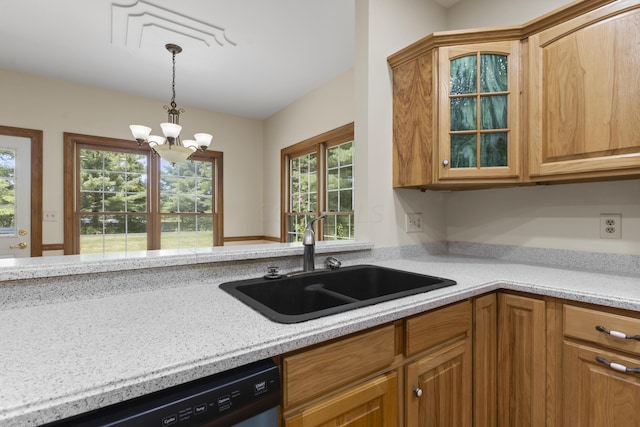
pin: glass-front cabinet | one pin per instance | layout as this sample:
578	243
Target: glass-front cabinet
478	106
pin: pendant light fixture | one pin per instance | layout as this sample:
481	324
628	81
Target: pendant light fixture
171	147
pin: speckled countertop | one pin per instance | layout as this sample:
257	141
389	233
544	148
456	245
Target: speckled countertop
69	355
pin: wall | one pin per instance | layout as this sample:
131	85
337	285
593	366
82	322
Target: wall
56	106
559	216
382	28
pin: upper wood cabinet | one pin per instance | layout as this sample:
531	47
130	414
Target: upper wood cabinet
555	99
584	95
478	112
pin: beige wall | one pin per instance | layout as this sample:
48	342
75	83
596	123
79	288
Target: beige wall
55	107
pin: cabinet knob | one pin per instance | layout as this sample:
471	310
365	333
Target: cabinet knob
418	392
445	162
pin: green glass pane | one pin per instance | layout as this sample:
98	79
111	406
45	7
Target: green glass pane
463	114
493	149
463	151
333	201
463	75
346	197
493	112
137	229
187	203
204	187
493	73
188	185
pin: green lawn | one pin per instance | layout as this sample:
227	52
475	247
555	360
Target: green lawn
98	243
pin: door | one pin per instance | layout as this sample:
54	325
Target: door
15	196
598	395
438	388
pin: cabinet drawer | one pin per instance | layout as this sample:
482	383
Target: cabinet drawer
436	327
581	323
315	372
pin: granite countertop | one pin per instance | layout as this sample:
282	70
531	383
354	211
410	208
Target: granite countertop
70	356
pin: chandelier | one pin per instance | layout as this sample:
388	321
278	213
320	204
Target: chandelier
171	147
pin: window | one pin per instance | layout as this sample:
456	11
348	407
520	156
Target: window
123	198
317	179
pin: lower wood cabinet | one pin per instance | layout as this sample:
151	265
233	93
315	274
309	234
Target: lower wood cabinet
439	388
371	404
601	368
500	360
521	361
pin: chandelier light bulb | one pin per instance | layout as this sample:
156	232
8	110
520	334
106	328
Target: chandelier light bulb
140	132
155	140
170	130
203	139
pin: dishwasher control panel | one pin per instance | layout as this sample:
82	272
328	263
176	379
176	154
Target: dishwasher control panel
218	400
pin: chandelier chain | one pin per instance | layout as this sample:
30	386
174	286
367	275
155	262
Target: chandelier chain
173	81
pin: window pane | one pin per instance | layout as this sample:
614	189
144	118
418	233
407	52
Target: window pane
296	225
112	233
493	149
338	227
186	231
493	112
7	192
346	204
463	75
186	187
463	114
333	201
303	184
112	181
463	151
493	73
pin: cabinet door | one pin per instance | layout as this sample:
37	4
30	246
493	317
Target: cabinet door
372	404
595	394
438	389
584	95
478	108
521	361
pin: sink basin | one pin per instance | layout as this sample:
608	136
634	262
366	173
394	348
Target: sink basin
297	298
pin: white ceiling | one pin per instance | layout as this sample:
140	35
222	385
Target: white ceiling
244	57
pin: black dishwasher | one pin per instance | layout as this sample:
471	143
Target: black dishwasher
247	396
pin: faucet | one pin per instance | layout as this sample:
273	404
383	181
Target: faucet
309	242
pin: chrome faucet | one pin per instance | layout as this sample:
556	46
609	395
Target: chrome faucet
309	242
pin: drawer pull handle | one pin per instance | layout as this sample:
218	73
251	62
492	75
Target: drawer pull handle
617	366
418	392
617	334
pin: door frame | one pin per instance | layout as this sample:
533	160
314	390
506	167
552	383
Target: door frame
36	182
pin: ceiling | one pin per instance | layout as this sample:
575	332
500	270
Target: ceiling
244	57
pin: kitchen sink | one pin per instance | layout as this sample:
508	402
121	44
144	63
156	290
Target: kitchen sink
306	296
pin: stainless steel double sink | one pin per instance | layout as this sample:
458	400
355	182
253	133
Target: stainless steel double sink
301	297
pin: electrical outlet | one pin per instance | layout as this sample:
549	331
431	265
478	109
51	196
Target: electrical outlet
49	216
413	222
610	226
